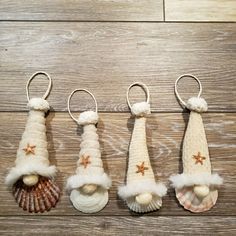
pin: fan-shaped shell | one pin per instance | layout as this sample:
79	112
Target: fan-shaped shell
89	203
155	204
38	198
188	199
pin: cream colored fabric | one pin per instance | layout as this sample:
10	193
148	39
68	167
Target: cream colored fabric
94	172
195	142
138	153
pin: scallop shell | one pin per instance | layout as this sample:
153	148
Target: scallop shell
38	198
89	203
191	202
155	204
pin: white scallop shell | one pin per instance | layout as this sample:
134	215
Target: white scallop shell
89	203
155	204
188	199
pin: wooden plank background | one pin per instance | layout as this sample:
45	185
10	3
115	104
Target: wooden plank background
115	55
104	46
82	10
202	10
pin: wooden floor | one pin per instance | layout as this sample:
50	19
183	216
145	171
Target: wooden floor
104	46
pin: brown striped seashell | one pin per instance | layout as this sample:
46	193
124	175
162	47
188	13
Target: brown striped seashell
38	198
190	201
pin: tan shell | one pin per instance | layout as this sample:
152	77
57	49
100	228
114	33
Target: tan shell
189	200
89	203
38	198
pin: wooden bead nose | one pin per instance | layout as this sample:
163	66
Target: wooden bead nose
201	190
89	188
30	180
144	198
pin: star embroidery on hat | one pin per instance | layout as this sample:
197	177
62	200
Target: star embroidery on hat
29	149
85	161
141	168
198	158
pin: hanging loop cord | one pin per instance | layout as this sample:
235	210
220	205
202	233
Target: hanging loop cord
176	87
143	86
30	80
69	99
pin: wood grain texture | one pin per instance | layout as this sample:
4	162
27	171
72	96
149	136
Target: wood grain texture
106	58
70	41
144	225
164	134
82	10
200	10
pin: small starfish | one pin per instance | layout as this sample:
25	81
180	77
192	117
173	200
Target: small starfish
199	158
29	149
141	168
85	161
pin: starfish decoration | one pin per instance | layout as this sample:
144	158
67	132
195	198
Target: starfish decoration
141	168
199	158
85	161
29	149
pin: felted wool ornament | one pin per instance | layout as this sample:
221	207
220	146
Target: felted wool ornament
196	187
141	192
89	186
32	177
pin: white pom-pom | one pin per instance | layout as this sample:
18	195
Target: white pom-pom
141	109
197	104
38	104
88	117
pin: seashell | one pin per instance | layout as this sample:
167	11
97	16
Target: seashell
143	198
89	203
89	188
30	180
155	204
201	190
190	201
37	198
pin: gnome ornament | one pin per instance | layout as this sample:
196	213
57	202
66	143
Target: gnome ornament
196	187
89	186
141	192
31	179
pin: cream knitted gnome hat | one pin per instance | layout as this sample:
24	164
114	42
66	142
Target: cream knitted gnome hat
32	171
141	192
89	186
196	186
